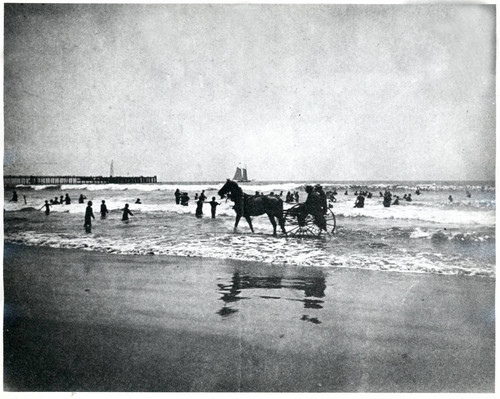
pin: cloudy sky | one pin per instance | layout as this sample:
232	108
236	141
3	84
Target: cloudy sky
186	92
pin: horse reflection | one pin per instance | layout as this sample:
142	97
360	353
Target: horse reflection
313	287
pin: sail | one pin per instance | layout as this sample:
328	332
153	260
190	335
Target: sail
245	177
237	175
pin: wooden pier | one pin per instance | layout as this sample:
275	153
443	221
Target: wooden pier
12	181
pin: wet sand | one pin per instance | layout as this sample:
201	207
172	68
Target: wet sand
83	321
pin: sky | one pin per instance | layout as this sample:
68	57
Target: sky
295	92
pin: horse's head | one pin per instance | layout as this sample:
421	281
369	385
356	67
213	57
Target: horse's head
230	187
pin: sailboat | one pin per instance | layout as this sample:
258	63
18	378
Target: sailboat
241	175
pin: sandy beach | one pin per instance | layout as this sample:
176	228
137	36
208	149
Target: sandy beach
86	321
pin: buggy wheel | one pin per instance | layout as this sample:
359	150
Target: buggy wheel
298	226
331	223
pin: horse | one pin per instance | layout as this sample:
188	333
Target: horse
251	205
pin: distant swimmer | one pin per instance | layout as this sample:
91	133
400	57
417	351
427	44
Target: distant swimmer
467	194
346	192
61	199
104	210
360	202
177	195
138	201
56	201
213	205
126	212
418	191
199	207
89	215
185	199
14	197
396	201
82	197
67	200
450	198
203	197
47	207
408	198
196	197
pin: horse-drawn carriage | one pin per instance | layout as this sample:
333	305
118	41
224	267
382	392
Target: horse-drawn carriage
295	221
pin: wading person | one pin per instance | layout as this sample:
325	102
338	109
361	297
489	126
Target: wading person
126	212
47	207
89	215
104	210
213	205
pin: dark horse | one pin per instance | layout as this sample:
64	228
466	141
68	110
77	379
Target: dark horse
251	205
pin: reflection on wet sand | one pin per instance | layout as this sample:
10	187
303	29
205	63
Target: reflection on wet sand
313	287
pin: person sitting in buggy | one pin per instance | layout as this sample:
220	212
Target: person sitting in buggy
315	206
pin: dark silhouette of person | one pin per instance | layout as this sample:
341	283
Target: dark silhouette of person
467	194
14	197
47	207
387	198
314	206
213	205
199	207
296	196
203	197
360	202
409	199
67	200
82	197
89	215
450	198
177	196
126	212
396	201
369	195
418	191
104	210
185	199
138	201
56	201
196	197
346	192
61	199
324	203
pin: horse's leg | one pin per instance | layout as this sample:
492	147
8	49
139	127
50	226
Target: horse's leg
281	220
273	222
249	223
238	217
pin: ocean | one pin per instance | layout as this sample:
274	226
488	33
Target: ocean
428	235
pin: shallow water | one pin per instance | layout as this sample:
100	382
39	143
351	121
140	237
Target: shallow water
428	235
